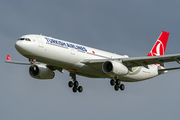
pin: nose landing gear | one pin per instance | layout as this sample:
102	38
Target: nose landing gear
32	61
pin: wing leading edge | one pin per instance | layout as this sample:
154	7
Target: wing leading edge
139	61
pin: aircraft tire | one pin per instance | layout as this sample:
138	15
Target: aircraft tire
122	87
116	87
80	88
118	82
70	84
112	82
74	89
76	83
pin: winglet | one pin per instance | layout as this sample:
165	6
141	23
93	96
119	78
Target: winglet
8	58
160	45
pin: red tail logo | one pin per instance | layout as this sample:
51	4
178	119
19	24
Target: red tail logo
160	45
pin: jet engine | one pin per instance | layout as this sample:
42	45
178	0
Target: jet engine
114	68
41	71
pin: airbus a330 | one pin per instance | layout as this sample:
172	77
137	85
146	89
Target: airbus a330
47	54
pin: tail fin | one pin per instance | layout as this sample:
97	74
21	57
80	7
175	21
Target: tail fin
160	45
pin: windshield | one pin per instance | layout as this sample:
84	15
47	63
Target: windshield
27	39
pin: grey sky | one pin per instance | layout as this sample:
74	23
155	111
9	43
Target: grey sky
125	27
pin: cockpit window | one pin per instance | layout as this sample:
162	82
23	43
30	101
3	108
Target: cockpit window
27	39
21	39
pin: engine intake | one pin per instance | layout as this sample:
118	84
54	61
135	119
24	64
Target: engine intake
41	71
114	68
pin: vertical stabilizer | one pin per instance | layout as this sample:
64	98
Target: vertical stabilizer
160	45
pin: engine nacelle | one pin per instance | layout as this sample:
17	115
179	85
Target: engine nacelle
41	71
114	68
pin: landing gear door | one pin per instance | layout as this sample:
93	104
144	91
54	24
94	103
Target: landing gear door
40	42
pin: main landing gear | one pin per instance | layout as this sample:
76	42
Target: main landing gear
117	84
74	84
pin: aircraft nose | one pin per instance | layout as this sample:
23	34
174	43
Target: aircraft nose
19	46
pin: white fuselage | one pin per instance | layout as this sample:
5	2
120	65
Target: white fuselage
69	55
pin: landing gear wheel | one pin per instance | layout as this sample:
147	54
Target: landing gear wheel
116	87
74	89
118	82
112	82
70	84
80	88
122	87
76	83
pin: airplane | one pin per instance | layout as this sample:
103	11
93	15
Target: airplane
47	54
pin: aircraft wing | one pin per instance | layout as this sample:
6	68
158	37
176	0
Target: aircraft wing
136	61
17	62
143	61
8	60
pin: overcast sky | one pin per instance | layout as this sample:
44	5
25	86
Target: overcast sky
128	27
